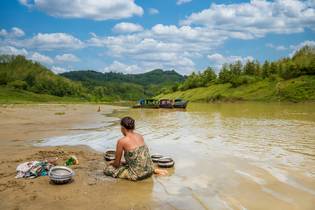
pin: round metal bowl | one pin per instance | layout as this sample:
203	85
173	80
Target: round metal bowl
166	162
110	155
60	174
155	157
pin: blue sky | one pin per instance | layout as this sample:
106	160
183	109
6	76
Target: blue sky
137	36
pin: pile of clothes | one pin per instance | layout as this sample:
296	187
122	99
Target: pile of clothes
33	169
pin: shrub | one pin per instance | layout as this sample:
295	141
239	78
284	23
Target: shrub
242	80
18	84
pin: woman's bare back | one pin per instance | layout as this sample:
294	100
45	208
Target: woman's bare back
132	141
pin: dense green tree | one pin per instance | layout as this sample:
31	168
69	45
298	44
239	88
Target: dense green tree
273	68
225	75
265	69
250	68
207	76
236	68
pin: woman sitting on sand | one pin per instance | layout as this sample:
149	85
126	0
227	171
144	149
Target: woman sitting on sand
138	163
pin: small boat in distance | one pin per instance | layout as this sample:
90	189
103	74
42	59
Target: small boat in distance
166	103
163	103
180	103
147	103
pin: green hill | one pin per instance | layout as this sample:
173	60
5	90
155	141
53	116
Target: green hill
22	79
20	76
288	79
137	85
154	77
295	90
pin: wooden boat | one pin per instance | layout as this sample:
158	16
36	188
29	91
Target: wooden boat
180	103
147	103
166	103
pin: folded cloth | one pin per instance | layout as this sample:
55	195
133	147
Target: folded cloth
32	169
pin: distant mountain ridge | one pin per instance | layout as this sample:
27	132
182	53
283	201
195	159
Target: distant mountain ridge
21	77
155	77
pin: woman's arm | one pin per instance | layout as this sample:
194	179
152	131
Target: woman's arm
119	151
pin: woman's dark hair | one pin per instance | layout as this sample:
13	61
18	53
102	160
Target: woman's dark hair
128	123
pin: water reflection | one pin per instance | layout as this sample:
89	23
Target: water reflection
225	154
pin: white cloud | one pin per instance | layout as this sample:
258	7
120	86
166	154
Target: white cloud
3	32
153	11
14	32
117	66
301	45
41	58
276	47
218	60
89	9
35	56
17	32
180	2
67	58
256	18
125	27
58	70
9	50
172	46
169	61
167	47
50	42
148	52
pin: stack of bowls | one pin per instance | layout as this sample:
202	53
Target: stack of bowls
60	174
155	158
166	162
163	162
110	155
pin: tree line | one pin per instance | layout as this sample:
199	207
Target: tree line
237	73
21	74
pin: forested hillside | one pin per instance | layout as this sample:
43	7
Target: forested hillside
20	73
287	79
139	85
22	78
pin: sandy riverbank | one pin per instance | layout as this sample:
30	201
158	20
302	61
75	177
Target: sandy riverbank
23	125
253	156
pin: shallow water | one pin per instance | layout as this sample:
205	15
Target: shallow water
228	156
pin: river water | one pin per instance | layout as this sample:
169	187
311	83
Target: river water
227	156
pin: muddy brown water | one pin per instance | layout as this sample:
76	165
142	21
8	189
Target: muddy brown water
227	156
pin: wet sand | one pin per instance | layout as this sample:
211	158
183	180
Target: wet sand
23	125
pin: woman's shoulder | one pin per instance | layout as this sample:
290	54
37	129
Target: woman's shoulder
138	135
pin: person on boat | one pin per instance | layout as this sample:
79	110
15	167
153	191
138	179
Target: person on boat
138	164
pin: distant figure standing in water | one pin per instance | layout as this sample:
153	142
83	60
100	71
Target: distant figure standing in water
138	163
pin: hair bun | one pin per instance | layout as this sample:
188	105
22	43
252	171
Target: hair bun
128	123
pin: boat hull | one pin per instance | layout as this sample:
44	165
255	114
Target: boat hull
166	106
146	106
181	105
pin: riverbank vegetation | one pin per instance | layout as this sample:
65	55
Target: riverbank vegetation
288	79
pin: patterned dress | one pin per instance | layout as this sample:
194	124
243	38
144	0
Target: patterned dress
138	165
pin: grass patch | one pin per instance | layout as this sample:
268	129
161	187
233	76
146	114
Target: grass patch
14	96
60	113
295	90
